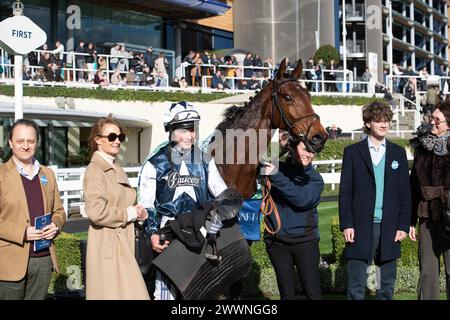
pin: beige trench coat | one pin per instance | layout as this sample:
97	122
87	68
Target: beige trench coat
112	272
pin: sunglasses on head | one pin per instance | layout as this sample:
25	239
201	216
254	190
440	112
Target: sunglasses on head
113	136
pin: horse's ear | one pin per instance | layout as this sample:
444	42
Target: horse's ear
281	70
297	73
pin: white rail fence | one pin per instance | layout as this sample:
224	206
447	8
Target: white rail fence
70	181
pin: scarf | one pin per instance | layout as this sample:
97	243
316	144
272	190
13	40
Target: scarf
436	144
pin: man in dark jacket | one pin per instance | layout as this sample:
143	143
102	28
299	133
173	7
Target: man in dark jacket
294	238
374	204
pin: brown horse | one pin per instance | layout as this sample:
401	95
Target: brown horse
283	103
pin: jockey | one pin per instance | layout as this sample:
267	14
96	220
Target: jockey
175	179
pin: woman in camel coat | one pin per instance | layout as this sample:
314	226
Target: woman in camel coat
112	272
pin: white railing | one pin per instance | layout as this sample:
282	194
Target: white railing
70	184
70	180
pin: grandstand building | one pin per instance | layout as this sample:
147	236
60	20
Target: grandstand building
171	26
295	29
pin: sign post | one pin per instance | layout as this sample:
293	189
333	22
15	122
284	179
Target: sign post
19	36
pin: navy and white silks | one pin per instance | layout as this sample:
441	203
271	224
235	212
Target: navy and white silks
173	181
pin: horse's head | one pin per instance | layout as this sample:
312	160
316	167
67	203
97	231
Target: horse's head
292	110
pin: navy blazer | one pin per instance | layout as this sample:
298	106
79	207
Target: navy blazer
357	200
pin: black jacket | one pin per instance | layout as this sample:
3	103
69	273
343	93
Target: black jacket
357	199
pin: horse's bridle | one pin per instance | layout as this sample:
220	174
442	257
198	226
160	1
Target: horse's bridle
275	103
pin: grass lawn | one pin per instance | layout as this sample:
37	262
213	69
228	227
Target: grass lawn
81	235
326	210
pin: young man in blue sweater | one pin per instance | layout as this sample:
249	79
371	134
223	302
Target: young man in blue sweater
374	204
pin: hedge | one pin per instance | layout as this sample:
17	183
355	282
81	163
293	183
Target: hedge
69	259
115	95
332	270
153	96
334	149
407	267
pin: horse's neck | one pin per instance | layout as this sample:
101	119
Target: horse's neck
256	117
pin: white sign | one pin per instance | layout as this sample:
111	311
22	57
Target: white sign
20	35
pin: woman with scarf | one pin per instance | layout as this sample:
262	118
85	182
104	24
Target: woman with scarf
430	184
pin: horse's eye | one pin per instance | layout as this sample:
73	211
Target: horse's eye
287	98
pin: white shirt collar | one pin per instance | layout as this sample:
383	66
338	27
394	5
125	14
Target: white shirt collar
23	172
372	146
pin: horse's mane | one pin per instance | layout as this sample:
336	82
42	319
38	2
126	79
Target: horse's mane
241	117
230	115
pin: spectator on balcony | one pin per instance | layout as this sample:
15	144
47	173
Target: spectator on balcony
206	71
366	78
254	84
32	58
217	80
102	65
189	61
196	73
53	73
161	64
215	60
161	80
58	53
389	98
90	60
333	132
183	83
330	77
116	79
318	71
423	78
310	74
149	58
243	85
124	63
101	79
115	53
175	82
248	62
432	100
397	81
26	74
410	93
441	73
46	61
131	78
44	49
268	63
146	77
80	60
258	63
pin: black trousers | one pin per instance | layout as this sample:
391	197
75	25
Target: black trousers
306	257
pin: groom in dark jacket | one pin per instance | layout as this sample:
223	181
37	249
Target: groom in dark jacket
374	204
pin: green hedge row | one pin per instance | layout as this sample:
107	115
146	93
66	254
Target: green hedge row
151	96
114	95
333	270
69	259
334	149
